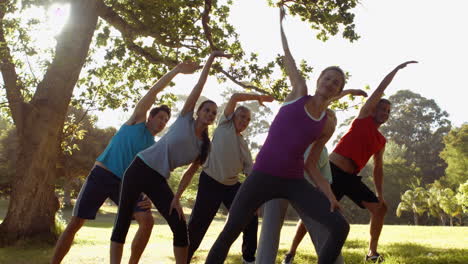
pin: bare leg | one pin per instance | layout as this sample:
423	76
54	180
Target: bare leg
116	250
376	223
145	226
301	231
66	239
181	254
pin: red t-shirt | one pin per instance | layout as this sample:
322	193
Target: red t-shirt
361	142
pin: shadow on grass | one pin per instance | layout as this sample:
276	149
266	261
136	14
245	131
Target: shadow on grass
394	253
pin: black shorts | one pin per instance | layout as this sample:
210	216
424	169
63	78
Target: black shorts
100	185
351	185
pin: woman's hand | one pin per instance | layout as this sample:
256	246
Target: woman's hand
175	204
265	98
188	67
220	53
145	203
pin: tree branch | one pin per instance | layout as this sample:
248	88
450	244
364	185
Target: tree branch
205	21
150	57
243	85
129	31
10	77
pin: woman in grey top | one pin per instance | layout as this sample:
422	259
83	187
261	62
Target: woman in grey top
219	180
186	142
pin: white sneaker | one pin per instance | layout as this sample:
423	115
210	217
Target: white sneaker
247	262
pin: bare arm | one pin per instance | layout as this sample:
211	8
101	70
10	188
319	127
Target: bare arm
145	103
312	160
240	97
373	100
355	92
189	105
299	87
184	182
378	172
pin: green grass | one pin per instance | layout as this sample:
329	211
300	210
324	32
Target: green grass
399	244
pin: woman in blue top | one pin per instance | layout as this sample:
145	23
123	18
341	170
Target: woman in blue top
186	142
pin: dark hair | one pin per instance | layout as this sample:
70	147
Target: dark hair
205	148
386	101
339	70
160	108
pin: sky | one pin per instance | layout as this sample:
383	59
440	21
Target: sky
392	31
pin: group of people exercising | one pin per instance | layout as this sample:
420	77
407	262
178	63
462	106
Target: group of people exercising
292	167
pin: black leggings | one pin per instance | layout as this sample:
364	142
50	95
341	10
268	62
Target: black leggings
210	195
140	178
307	200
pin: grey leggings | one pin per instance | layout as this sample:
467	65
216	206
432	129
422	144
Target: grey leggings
274	212
306	199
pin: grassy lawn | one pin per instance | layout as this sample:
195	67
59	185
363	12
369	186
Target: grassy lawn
400	244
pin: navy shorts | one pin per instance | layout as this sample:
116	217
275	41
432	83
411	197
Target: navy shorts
100	185
351	185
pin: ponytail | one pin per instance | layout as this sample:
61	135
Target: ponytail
205	148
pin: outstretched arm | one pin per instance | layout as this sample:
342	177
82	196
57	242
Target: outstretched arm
145	103
355	92
240	97
373	100
312	160
189	105
299	87
184	182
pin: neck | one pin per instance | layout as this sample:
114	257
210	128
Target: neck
151	130
316	105
377	124
199	128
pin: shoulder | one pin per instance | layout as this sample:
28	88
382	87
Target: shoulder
297	100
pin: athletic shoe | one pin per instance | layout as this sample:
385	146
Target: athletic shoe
377	258
247	262
288	259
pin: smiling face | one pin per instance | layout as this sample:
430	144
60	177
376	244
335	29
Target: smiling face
241	118
330	83
207	112
382	111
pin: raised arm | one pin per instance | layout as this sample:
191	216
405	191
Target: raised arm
145	103
240	97
375	97
299	87
312	160
189	105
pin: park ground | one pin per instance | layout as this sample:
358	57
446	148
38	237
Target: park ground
399	243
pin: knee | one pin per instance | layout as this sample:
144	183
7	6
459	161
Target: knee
342	228
180	233
75	224
145	220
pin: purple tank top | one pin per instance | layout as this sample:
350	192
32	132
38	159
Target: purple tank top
292	130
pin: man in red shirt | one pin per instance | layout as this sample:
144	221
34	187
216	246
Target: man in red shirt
354	149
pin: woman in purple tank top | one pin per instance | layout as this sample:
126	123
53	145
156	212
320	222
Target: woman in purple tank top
279	167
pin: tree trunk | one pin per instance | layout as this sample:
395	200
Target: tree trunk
442	219
416	218
33	204
451	220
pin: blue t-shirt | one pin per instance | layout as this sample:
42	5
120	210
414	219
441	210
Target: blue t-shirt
124	146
